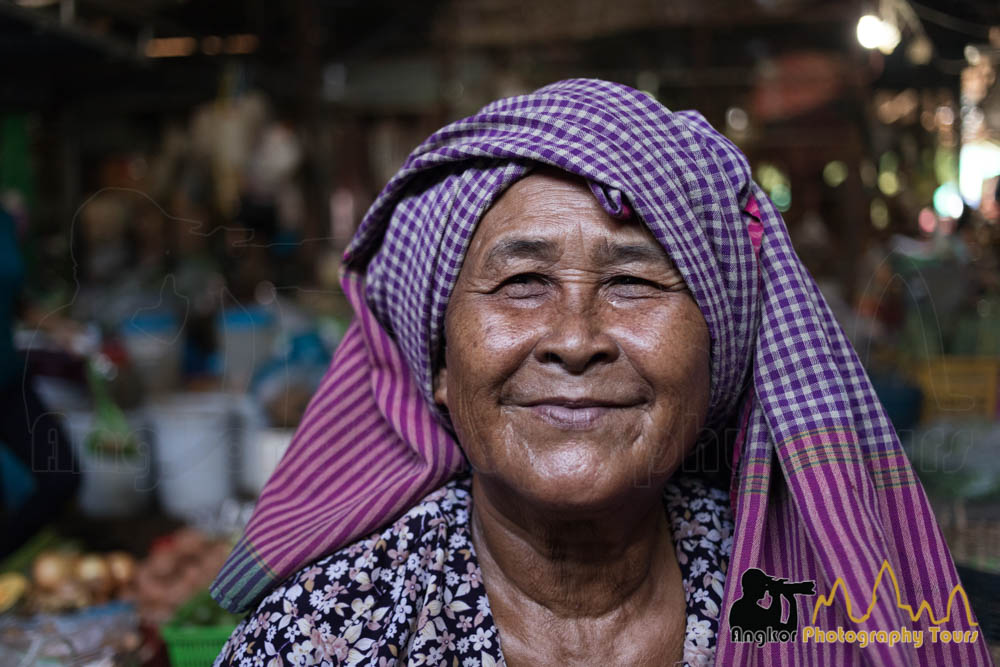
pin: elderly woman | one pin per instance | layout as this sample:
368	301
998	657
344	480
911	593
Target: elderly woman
589	386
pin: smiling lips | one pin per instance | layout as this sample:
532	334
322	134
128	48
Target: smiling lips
574	414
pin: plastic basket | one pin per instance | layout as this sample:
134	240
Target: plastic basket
194	646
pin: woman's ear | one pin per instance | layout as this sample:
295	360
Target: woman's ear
441	387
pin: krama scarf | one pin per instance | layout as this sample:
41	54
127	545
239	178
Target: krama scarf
820	486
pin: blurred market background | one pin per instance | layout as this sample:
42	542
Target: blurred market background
178	180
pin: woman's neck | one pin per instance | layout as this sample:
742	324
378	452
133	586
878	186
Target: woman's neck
585	577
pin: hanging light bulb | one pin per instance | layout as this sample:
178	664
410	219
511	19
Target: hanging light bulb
874	33
890	37
869	31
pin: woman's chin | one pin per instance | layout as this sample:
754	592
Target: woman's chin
584	488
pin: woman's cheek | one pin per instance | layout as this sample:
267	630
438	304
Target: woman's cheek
506	339
483	351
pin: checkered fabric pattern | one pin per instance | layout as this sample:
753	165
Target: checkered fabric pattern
821	487
415	236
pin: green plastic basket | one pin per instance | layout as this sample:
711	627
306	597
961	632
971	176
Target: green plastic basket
194	646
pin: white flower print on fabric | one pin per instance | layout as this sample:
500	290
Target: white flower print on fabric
413	594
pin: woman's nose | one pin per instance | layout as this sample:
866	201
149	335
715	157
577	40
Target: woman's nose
576	339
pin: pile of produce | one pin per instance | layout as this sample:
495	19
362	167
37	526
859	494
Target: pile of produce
179	565
62	580
66	581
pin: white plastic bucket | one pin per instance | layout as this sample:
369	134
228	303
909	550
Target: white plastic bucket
195	434
112	485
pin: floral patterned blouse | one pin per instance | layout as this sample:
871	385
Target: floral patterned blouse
413	594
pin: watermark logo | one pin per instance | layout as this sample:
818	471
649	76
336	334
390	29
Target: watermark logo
813	633
757	616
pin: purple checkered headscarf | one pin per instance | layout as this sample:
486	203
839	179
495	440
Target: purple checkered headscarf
821	488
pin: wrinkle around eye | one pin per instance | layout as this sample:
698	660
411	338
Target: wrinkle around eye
522	283
531	285
631	286
638	281
636	291
523	286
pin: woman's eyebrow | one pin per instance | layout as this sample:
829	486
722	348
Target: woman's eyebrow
515	248
608	254
622	253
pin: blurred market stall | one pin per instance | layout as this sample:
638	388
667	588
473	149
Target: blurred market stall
178	180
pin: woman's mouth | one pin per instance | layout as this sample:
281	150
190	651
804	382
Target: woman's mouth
575	412
572	417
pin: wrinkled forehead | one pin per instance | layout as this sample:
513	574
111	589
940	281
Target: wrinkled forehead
544	213
539	183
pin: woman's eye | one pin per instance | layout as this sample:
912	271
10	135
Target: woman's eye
633	286
523	286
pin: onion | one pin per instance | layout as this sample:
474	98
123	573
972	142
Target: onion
122	567
95	575
51	569
69	595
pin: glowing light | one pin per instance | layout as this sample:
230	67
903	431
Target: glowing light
885	112
769	176
927	221
171	47
888	183
781	195
213	45
977	162
241	44
874	33
776	183
834	173
737	119
890	39
869	31
879	214
920	51
948	202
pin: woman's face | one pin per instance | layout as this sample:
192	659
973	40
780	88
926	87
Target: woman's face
576	364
